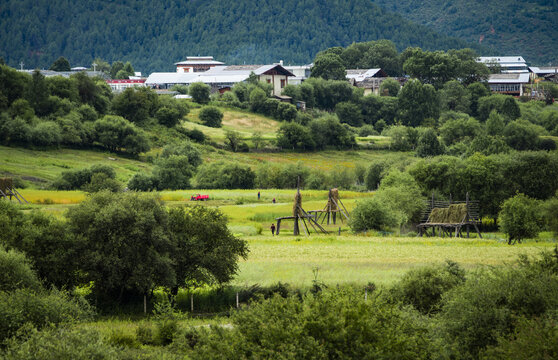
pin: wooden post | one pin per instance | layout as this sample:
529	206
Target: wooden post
278	226
467	209
191	302
237	299
144	303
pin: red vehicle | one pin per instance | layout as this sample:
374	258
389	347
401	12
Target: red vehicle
199	197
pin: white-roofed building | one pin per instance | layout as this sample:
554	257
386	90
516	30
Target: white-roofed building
194	64
223	77
547	73
368	79
300	72
507	64
509	84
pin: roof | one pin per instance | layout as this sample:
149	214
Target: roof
516	78
502	59
544	70
125	81
361	74
67	74
199	60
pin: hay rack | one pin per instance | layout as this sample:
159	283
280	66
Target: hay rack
8	191
329	212
450	218
300	216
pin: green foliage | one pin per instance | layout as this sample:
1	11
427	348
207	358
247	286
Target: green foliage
225	175
118	134
429	145
173	172
401	138
136	104
211	116
295	136
328	67
521	135
60	64
349	113
16	272
424	288
143	182
495	124
550	214
372	214
199	92
80	179
389	87
38	309
334	324
519	218
328	131
375	174
460	129
123	242
455	97
417	102
487	306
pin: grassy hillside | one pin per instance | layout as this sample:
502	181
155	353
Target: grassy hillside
154	35
509	27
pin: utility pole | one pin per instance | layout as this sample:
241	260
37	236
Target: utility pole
21	65
94	67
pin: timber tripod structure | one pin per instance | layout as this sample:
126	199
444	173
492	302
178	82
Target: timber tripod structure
8	191
450	218
334	205
300	216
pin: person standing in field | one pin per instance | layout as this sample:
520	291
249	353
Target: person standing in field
272	229
258	195
273	201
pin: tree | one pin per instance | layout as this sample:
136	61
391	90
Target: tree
429	145
510	108
124	244
519	218
232	139
60	64
173	172
460	129
199	92
349	113
118	134
521	135
455	97
225	175
477	90
389	87
495	124
136	104
371	214
375	174
286	112
417	102
211	116
294	136
328	131
329	67
38	94
205	250
257	139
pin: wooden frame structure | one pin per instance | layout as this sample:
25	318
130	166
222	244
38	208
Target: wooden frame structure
470	218
8	191
300	215
334	205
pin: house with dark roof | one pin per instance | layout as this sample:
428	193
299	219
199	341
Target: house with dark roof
194	64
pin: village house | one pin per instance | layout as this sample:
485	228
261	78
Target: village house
119	85
367	79
507	64
509	84
219	77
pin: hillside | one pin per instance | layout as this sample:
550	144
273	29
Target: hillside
508	27
154	35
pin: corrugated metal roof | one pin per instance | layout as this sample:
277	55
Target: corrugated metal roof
509	78
502	59
361	74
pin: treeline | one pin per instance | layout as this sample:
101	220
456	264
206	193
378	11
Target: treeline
148	35
82	112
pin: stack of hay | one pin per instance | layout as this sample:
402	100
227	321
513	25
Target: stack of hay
6	184
297	206
454	214
333	199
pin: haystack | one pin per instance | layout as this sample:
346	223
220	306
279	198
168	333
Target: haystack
453	214
297	206
333	199
6	184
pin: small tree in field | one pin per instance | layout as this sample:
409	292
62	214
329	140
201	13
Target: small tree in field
519	218
200	92
211	116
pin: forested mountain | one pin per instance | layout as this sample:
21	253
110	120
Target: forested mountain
155	34
507	27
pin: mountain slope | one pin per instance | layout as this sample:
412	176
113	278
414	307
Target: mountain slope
507	27
154	34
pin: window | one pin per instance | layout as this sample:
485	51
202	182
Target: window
282	83
269	81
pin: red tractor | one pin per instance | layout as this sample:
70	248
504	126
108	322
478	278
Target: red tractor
199	197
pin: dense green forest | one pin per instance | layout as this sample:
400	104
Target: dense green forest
509	27
153	35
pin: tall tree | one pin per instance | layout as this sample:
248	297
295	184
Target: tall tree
60	64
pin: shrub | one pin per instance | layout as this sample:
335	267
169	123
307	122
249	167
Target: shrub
46	133
211	116
429	145
367	130
519	218
143	182
24	306
371	214
100	181
199	92
375	174
16	272
144	334
225	175
423	288
166	331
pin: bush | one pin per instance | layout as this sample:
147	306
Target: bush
211	116
429	145
16	272
100	181
199	92
375	174
367	130
423	288
143	182
519	218
225	175
24	306
46	133
371	214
